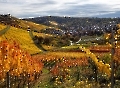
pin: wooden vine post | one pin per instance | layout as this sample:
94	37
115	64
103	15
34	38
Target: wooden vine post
112	57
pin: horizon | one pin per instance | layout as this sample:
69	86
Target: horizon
72	8
54	16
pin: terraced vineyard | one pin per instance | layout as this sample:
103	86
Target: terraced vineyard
22	37
2	26
31	25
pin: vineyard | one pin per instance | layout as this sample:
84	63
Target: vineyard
2	26
22	37
25	63
76	68
17	65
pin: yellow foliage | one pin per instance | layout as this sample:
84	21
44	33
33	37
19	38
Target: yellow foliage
23	38
118	31
67	54
104	68
41	34
107	35
2	26
31	25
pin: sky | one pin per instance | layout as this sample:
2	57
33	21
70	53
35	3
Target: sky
72	8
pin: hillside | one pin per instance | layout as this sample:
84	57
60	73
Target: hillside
14	29
21	37
19	23
79	26
27	34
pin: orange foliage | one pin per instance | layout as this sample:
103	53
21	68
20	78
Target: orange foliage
15	61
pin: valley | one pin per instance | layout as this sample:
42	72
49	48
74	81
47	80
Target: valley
59	52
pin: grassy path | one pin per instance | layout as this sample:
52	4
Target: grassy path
4	30
38	45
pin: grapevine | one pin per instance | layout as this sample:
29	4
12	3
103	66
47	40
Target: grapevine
16	62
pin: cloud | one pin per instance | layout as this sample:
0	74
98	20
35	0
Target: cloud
112	15
82	10
28	8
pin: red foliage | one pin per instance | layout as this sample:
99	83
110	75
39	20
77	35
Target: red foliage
66	63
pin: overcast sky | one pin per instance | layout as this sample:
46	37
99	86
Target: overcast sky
73	8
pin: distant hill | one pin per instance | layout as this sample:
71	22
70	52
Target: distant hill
19	23
79	25
74	21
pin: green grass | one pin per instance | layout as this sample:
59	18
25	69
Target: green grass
44	80
76	46
4	30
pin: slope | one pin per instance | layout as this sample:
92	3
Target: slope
20	23
22	37
27	24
